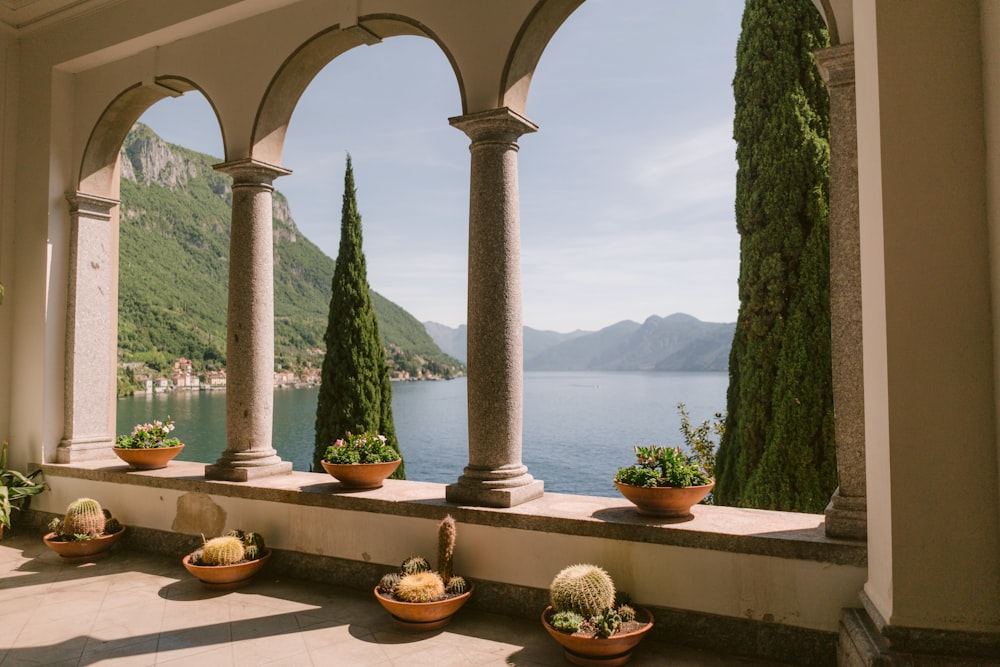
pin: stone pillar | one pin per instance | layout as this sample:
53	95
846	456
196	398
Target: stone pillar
91	331
846	515
495	476
250	328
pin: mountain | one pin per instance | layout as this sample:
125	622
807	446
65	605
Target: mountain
678	342
174	267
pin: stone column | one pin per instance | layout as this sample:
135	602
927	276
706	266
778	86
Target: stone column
250	328
846	515
91	331
495	476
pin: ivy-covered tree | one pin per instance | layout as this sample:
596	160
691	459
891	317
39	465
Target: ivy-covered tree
355	394
778	449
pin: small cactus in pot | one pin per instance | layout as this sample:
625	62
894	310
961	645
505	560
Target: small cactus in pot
228	561
86	531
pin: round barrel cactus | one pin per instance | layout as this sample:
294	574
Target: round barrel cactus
585	589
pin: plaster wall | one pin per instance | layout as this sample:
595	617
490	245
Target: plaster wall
8	130
928	327
801	593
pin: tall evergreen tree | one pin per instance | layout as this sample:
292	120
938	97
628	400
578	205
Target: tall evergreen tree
355	394
778	450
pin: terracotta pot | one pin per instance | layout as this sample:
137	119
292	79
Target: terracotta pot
148	459
665	501
86	551
614	650
361	475
226	577
423	616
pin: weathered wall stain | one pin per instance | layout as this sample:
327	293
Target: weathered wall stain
198	513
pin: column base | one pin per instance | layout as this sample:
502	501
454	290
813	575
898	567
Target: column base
244	466
504	487
85	449
847	517
867	641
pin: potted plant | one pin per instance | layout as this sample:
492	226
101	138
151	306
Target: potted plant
16	490
87	532
361	461
663	482
228	561
419	598
148	447
587	619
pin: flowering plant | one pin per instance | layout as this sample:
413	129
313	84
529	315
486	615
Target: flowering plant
662	466
365	447
149	436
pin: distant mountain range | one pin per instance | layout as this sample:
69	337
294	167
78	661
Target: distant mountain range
678	342
174	266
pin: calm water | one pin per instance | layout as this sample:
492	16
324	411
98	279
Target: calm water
579	428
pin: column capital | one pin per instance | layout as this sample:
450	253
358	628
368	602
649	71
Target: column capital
836	64
251	171
92	206
494	125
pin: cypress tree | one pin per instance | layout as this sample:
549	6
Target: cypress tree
355	394
778	450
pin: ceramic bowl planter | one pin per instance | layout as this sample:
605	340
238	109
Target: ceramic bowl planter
226	577
361	476
582	649
228	562
665	501
85	551
148	459
423	616
85	533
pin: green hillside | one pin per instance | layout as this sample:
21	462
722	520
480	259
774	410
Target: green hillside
173	280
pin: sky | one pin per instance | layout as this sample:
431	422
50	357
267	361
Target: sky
626	190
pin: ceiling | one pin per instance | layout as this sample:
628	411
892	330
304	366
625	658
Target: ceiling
24	13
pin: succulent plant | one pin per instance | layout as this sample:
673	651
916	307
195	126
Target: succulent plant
424	586
225	550
251	552
607	623
387	585
566	621
253	539
585	589
197	557
627	613
446	547
236	532
112	525
456	586
84	517
415	564
56	525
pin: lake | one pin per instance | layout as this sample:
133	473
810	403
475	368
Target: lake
579	427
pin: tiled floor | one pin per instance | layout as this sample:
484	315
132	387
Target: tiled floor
138	609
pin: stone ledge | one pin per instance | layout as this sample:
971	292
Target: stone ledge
735	530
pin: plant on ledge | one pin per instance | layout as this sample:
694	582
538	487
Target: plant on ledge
228	561
361	461
420	598
16	489
591	622
86	532
663	482
149	446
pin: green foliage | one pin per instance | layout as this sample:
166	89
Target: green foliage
16	488
363	448
415	564
566	621
225	550
662	466
84	517
420	587
777	450
447	532
355	394
149	436
608	623
698	439
584	589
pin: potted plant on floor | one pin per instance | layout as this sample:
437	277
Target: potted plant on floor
87	532
361	461
586	620
149	446
16	490
663	482
229	561
419	598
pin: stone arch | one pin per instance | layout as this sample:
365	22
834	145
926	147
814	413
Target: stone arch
299	69
100	156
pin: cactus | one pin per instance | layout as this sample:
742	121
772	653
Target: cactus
84	517
254	539
456	586
607	623
388	583
566	621
627	613
112	526
420	587
197	557
56	526
251	552
585	589
223	551
238	534
446	547
415	564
